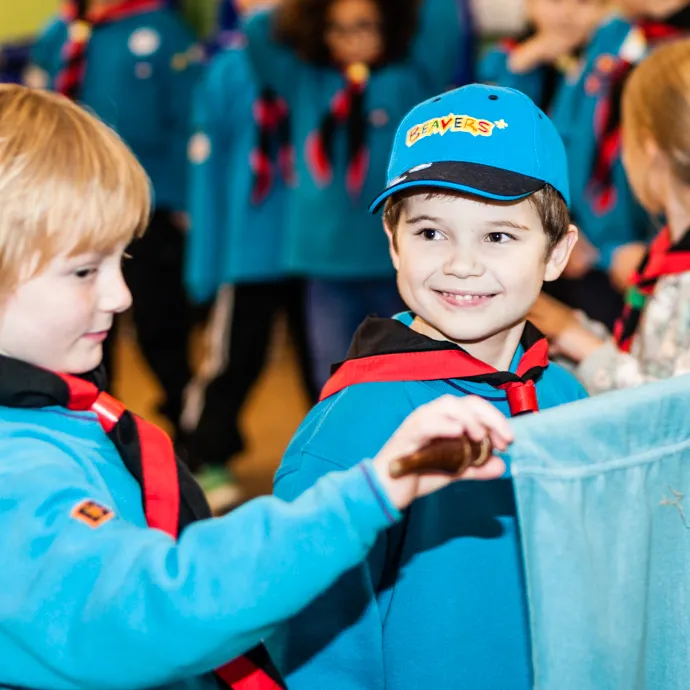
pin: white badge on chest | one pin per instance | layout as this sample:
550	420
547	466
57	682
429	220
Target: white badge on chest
144	42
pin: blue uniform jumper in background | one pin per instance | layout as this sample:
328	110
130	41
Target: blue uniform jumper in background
236	246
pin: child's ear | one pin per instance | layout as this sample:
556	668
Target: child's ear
560	254
392	246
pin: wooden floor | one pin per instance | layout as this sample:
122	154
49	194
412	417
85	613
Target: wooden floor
274	411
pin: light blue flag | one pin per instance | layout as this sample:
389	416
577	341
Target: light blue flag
603	495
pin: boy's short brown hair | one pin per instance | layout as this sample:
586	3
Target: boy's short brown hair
68	184
550	206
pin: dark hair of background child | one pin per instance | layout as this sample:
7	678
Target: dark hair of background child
301	24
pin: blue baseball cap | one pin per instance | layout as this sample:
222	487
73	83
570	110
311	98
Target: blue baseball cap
484	140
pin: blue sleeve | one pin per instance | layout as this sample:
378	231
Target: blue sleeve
337	641
126	607
183	56
465	68
436	47
493	66
275	66
208	154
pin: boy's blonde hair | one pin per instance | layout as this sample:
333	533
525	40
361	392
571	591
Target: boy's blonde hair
656	103
68	184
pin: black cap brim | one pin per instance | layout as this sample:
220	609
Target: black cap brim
471	178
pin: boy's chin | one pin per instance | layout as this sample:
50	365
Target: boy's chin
86	362
468	333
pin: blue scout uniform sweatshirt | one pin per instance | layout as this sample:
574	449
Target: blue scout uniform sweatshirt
232	239
118	605
574	112
140	74
440	601
330	234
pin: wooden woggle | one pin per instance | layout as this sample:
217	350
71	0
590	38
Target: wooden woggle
449	455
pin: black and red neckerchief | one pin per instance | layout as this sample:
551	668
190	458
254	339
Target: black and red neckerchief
615	70
80	24
347	109
171	498
273	135
662	259
388	350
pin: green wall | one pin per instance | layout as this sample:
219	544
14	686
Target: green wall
23	18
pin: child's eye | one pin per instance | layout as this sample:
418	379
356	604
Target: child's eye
83	273
430	234
499	237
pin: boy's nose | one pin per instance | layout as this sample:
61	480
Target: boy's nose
117	297
463	263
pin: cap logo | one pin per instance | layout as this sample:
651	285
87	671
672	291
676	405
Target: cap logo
450	123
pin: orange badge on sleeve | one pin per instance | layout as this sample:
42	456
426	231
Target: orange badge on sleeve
92	513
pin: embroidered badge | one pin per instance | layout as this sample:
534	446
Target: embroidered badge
144	42
92	513
379	117
143	70
180	62
453	123
194	55
199	148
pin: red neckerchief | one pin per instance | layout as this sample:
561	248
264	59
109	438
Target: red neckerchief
662	259
171	498
441	360
273	124
347	109
80	24
607	118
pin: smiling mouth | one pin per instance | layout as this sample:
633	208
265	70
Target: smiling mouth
465	299
98	335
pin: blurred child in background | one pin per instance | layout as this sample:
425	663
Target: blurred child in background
238	201
613	226
651	340
134	64
550	48
349	70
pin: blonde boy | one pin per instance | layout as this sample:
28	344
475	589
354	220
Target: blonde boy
95	589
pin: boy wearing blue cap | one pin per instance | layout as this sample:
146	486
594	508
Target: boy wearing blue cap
476	215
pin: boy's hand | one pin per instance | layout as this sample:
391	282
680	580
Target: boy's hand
542	49
446	417
576	342
625	261
561	325
551	317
